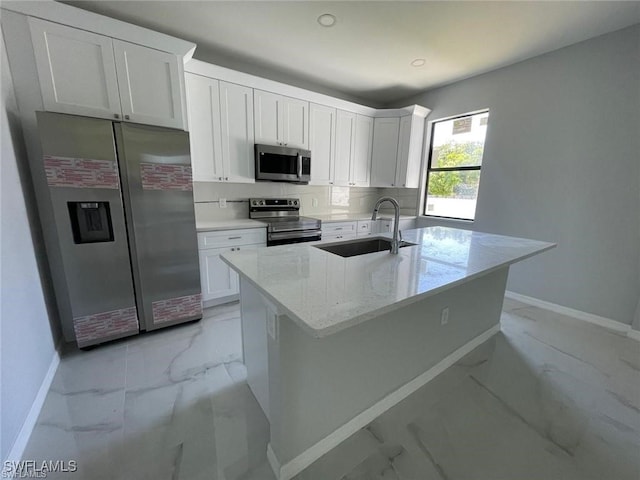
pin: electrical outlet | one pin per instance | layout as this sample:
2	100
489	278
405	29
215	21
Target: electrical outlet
223	202
444	316
314	202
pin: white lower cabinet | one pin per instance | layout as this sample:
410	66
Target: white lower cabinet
365	228
338	231
217	279
220	283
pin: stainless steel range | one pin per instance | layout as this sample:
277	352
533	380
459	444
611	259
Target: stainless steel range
284	224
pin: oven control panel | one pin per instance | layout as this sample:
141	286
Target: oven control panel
275	203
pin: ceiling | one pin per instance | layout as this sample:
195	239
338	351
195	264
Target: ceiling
366	56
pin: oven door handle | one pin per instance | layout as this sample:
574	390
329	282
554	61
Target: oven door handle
298	234
299	165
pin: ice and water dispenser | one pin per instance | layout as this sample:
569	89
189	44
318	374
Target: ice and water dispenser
90	222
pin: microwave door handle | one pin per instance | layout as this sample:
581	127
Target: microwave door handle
299	165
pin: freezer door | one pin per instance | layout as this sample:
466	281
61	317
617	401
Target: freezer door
158	193
85	235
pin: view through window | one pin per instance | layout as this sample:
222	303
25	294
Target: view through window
455	160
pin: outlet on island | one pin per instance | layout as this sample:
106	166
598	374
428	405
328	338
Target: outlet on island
444	316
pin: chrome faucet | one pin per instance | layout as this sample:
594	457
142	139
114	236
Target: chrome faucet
397	235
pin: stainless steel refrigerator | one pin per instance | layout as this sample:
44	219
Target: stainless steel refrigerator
119	226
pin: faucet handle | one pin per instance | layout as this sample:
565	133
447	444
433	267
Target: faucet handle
399	236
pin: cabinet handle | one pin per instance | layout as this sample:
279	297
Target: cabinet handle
219	178
234	238
233	249
330	183
126	117
226	178
238	248
338	228
393	184
115	115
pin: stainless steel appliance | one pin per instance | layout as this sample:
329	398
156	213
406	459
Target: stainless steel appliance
284	224
119	227
282	164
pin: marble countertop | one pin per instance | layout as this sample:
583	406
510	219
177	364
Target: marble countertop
209	226
352	217
325	293
229	224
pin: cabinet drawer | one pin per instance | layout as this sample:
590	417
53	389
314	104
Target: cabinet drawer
337	228
338	237
365	226
226	238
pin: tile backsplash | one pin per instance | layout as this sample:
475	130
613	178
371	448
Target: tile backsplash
314	199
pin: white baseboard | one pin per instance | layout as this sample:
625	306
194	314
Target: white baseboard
306	458
578	314
17	450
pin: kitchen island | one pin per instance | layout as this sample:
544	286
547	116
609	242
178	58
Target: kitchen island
330	342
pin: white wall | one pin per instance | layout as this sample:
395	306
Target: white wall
562	164
27	345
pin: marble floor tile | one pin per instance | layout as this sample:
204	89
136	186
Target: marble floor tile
549	397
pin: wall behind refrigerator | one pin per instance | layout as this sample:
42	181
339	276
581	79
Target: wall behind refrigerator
28	357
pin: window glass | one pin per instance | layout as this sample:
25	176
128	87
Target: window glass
455	161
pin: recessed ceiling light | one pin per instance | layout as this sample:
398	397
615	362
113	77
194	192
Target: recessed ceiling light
418	62
327	20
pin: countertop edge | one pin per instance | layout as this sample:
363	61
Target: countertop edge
354	321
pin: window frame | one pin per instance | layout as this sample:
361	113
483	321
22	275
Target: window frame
429	169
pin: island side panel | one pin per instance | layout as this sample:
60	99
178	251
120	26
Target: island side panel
316	385
254	314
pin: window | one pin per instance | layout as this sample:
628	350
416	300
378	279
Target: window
455	159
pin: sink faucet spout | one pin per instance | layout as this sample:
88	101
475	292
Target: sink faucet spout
395	243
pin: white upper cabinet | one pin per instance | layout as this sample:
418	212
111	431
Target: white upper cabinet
205	133
340	144
149	82
296	123
76	70
345	135
397	151
322	140
281	120
385	151
220	130
236	114
409	151
83	73
363	143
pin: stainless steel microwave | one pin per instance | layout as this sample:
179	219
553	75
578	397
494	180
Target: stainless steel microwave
282	164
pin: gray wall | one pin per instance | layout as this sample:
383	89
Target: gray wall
562	164
26	338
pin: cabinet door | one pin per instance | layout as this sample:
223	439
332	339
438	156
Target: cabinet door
149	82
76	70
363	142
385	151
203	107
268	121
345	134
410	151
295	117
322	141
217	279
404	138
236	113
